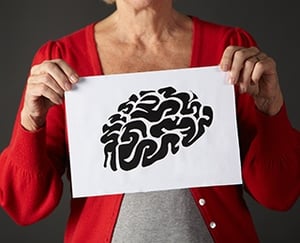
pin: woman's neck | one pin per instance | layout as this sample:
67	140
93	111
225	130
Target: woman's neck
150	23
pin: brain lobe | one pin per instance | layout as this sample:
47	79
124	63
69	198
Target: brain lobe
152	124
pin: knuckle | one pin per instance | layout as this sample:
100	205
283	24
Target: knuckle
29	87
272	61
259	64
255	79
43	88
250	61
34	69
228	52
30	79
232	48
49	65
61	61
45	78
254	49
240	53
229	49
57	60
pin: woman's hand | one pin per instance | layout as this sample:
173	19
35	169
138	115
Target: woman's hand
255	73
46	85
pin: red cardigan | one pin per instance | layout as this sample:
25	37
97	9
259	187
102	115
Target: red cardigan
32	166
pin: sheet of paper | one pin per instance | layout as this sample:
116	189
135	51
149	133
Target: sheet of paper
152	131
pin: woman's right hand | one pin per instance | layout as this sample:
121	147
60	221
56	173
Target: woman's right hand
46	85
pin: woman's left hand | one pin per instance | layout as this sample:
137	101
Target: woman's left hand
255	73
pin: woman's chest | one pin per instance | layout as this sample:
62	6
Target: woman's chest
134	58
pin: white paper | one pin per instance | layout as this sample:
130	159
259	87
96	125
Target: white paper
154	142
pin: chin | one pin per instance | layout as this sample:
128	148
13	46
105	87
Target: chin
140	4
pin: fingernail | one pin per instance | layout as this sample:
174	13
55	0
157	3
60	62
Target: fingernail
231	80
74	78
242	89
68	86
224	67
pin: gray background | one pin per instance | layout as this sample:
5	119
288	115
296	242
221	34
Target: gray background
25	25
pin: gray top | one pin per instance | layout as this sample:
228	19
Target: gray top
160	217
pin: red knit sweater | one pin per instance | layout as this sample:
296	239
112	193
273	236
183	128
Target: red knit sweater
32	165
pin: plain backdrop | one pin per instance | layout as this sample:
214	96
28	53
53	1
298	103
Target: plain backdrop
25	25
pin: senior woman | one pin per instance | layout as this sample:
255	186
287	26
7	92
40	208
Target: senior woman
147	35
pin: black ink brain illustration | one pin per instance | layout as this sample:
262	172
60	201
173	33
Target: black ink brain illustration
152	124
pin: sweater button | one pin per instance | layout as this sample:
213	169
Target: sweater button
212	225
202	201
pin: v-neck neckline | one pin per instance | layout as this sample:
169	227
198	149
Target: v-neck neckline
96	60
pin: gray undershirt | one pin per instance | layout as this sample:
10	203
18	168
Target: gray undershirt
160	217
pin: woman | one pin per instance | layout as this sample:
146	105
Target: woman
144	35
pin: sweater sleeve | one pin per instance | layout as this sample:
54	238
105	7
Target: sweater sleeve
32	165
271	165
270	148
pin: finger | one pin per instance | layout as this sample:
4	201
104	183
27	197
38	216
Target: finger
227	56
52	69
238	62
245	79
42	90
61	72
254	69
230	52
226	59
265	66
233	60
69	72
47	80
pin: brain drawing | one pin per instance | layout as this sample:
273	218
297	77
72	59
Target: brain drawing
152	124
